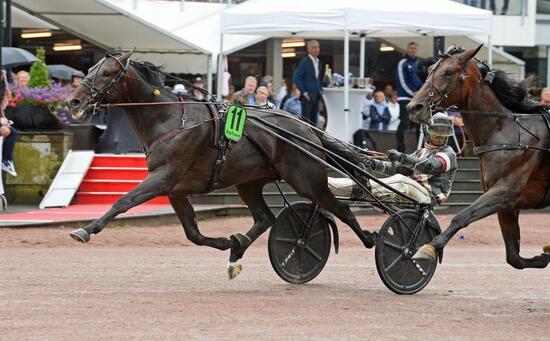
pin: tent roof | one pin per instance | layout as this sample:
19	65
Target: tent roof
311	18
22	19
100	23
197	23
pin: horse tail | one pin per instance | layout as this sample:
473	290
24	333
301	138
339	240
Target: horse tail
341	149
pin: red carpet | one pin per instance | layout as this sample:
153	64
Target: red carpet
74	213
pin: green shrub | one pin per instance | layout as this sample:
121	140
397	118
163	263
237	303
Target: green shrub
39	71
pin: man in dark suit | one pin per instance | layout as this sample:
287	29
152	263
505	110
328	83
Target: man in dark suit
307	77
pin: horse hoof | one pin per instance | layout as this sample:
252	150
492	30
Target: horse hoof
426	252
80	235
234	269
546	249
370	239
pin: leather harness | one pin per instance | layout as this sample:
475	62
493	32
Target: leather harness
515	146
220	141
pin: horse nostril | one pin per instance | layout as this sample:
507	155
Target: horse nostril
415	108
73	103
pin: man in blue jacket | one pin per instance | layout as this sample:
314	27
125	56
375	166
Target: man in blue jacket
407	84
307	77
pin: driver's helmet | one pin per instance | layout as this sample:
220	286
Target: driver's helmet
440	125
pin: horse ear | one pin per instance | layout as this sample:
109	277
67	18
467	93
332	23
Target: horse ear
466	56
126	55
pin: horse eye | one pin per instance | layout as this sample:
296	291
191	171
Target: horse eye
105	73
448	73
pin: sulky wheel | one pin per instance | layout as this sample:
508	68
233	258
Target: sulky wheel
299	243
399	272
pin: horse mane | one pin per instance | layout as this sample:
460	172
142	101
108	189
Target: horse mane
512	94
150	72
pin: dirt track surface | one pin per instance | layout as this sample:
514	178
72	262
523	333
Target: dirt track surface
151	283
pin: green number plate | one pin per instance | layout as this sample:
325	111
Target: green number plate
234	125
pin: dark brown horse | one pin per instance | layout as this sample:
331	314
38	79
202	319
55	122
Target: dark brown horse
512	139
179	139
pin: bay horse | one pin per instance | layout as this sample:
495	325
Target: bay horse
179	139
512	138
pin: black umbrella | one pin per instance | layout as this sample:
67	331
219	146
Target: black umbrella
13	56
62	71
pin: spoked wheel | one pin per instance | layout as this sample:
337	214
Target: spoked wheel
399	272
299	243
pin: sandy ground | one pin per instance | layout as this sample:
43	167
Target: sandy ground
151	283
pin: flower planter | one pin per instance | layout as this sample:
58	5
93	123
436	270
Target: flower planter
32	117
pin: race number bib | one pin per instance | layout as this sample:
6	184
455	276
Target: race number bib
234	124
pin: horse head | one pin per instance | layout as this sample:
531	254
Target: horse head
101	84
448	83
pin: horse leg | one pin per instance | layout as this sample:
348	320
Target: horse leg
496	199
326	200
151	187
509	226
186	214
251	194
316	189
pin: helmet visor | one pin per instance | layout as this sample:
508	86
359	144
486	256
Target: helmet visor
440	130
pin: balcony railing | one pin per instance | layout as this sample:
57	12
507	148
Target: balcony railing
500	7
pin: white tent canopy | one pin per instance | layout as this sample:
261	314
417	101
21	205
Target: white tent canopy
331	18
320	19
104	26
195	23
22	19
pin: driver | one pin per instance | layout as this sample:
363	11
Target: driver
426	175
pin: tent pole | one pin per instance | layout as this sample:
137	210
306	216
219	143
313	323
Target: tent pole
490	51
362	57
346	82
209	73
220	70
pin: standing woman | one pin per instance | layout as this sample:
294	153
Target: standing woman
7	132
393	107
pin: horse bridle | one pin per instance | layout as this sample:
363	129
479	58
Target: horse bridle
432	106
96	94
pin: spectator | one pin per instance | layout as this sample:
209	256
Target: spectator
322	122
388	92
76	81
393	107
379	113
198	83
230	93
262	95
179	89
470	3
293	104
307	77
6	131
545	96
246	95
283	91
22	79
407	84
267	81
365	108
288	95
504	7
